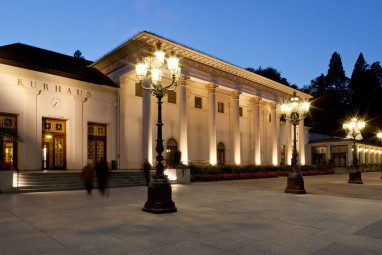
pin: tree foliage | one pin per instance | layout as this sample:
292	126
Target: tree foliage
271	73
10	133
78	54
337	98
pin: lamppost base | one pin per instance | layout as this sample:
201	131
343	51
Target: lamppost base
295	183
159	198
355	177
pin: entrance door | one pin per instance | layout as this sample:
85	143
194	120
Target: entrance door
96	142
53	144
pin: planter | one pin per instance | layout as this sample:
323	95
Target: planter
6	181
180	176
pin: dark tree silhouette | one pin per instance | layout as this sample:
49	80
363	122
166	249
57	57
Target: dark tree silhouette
336	80
78	54
271	73
358	93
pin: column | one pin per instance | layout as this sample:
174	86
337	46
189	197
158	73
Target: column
147	133
211	87
274	134
256	129
350	154
32	140
288	143
328	155
236	127
183	142
301	143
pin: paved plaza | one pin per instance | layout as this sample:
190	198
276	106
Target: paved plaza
232	217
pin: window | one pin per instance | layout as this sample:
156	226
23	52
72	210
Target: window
319	156
338	155
138	90
270	117
241	111
220	107
171	97
198	102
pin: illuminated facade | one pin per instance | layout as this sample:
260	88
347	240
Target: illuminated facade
219	113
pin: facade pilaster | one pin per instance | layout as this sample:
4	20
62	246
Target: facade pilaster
256	129
183	133
236	127
147	133
32	136
274	134
211	87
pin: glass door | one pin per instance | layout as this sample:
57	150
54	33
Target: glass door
54	144
96	142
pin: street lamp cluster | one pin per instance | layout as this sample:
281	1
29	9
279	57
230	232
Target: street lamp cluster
294	111
159	191
353	129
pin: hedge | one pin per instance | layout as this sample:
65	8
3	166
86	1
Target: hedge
231	172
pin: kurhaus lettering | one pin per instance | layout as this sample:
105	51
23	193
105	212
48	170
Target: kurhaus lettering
53	88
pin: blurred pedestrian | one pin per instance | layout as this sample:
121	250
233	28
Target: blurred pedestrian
88	175
146	169
102	170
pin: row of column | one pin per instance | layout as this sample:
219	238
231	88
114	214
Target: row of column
211	87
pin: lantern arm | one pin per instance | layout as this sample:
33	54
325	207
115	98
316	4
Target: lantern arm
148	89
172	83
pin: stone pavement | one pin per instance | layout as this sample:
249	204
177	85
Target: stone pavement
233	217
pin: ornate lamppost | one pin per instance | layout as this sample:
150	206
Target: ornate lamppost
353	129
159	191
294	111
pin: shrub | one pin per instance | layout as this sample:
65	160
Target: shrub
5	166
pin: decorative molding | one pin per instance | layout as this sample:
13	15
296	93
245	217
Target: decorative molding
236	94
183	80
198	61
255	100
211	87
273	105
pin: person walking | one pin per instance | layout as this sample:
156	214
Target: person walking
102	175
146	169
88	175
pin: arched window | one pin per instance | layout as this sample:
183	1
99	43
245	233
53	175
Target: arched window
171	148
221	154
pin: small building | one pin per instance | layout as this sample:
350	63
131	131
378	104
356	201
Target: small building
338	151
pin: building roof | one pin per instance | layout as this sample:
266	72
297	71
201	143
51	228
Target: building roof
33	58
124	53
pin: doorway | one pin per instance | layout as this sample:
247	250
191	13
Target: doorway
53	144
221	153
96	142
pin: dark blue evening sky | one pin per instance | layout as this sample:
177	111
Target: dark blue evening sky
297	37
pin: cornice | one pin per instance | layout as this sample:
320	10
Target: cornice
191	58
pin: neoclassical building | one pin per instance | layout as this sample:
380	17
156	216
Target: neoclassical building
69	110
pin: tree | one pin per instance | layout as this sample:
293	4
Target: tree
78	54
358	87
10	133
271	73
318	86
336	80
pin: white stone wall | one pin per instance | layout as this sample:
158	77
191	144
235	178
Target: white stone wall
34	95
